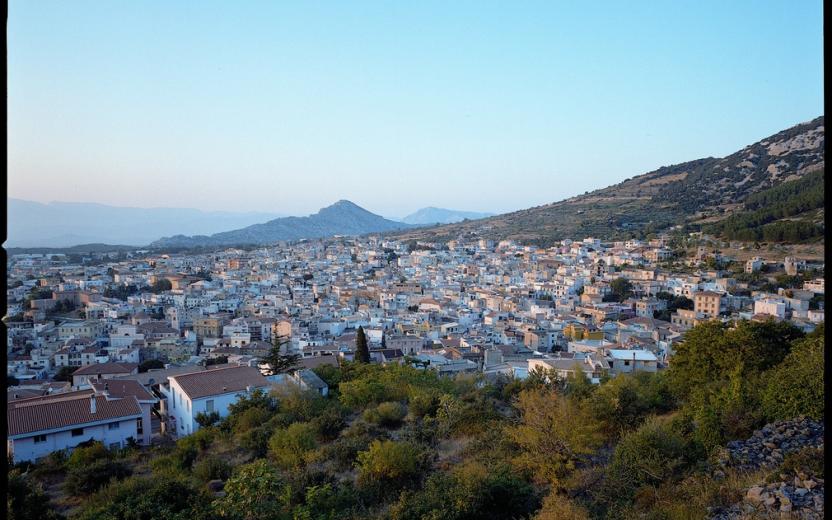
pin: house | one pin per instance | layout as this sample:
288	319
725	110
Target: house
207	391
626	361
708	304
41	425
84	375
124	388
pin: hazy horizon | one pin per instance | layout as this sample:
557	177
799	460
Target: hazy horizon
286	109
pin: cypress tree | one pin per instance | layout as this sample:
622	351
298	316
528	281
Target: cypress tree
362	352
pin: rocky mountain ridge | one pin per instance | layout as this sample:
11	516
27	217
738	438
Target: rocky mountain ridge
693	192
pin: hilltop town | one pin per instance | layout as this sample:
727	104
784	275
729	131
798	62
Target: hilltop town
496	309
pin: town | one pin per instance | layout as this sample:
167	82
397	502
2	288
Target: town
126	348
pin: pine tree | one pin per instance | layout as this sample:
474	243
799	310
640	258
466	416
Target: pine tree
277	361
362	352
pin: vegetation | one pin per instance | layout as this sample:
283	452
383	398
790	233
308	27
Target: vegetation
362	351
278	361
768	215
403	443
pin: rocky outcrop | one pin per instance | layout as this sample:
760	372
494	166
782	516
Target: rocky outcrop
795	492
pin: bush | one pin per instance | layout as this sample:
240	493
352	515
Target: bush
795	387
84	455
211	468
329	424
87	479
388	414
553	433
291	447
389	462
205	420
25	499
254	492
646	457
158	497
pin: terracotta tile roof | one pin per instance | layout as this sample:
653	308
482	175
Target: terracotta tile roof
106	368
64	411
215	382
122	388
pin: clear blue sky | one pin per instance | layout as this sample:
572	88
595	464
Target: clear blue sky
491	106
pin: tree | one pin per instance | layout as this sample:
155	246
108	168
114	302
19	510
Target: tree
621	288
362	351
161	285
144	366
205	419
711	351
65	374
795	387
553	433
277	361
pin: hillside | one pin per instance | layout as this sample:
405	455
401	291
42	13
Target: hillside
341	218
699	191
67	224
431	215
790	212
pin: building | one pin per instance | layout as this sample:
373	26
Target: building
708	304
207	391
626	361
99	371
41	425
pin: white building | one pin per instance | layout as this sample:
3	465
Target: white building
40	425
771	306
626	361
207	391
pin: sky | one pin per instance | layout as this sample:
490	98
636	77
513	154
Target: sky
481	106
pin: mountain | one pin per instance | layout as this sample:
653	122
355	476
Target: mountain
694	193
341	218
431	215
64	224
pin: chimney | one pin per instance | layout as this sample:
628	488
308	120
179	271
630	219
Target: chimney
92	403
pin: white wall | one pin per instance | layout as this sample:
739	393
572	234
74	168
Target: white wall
28	449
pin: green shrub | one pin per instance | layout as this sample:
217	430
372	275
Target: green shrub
83	456
87	479
25	499
388	414
795	387
211	468
329	423
389	462
147	498
648	456
292	447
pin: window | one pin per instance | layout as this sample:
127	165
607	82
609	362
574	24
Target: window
112	426
626	363
209	405
77	432
40	438
115	445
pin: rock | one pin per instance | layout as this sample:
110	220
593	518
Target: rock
215	485
809	484
800	491
754	494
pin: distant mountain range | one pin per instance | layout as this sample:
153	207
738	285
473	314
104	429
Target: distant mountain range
694	194
65	224
431	215
341	218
